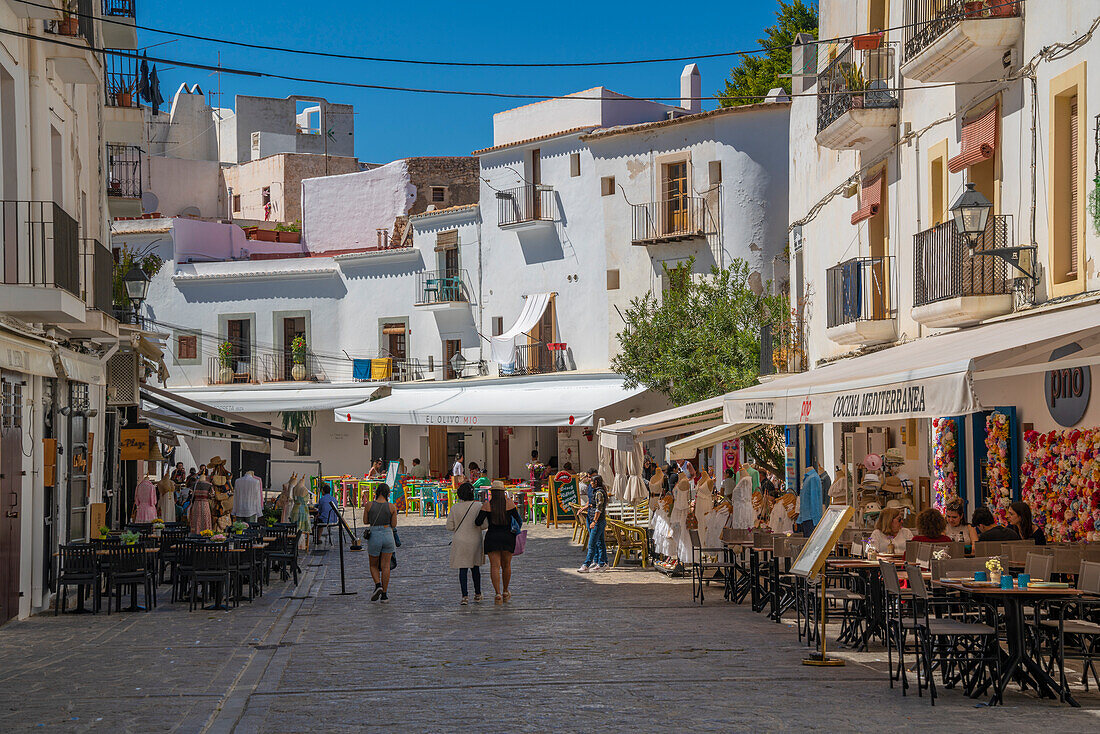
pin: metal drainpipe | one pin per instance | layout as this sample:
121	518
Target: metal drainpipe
480	297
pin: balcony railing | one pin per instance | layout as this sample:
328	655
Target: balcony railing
530	203
284	366
239	370
97	269
856	79
442	286
121	74
944	266
81	23
927	20
671	220
41	245
119	8
783	348
861	289
123	171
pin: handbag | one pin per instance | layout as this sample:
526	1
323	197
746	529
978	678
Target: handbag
396	539
515	526
521	543
393	561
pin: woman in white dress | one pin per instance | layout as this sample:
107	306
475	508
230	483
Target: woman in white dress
681	506
658	516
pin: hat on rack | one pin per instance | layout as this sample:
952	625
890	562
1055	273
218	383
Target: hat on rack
892	485
497	484
871	479
872	507
895	456
216	461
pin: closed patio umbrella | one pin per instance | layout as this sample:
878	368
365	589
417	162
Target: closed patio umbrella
618	490
604	469
635	488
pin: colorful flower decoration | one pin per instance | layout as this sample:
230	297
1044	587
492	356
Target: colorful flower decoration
945	476
1061	482
998	471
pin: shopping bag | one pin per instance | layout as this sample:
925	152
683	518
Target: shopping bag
521	542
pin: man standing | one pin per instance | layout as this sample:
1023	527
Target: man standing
596	560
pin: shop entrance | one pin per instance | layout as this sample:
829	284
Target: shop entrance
11	487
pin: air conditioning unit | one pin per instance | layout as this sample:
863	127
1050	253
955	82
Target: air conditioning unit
122	379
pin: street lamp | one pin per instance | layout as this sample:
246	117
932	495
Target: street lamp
137	284
971	212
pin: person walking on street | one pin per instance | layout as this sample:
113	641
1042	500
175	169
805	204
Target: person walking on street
500	541
380	517
596	560
468	545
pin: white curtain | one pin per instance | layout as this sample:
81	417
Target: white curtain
604	469
636	490
502	347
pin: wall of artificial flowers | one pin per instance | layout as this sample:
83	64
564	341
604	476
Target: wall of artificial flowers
945	476
1061	482
998	471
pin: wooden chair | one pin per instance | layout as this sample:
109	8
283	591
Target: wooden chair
629	539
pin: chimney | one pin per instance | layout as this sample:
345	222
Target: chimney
691	89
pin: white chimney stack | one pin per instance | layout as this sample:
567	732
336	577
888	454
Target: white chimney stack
691	89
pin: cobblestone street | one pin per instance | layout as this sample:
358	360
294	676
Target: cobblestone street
625	650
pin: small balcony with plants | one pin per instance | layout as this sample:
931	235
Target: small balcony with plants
857	104
954	284
959	40
443	289
71	58
537	358
783	348
526	207
862	301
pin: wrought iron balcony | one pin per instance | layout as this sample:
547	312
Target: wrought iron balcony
672	220
956	40
945	270
527	205
282	365
79	24
119	8
536	359
97	266
783	348
862	300
41	245
238	369
121	75
439	287
123	171
854	90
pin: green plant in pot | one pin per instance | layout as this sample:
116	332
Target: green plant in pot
854	83
130	538
225	362
298	351
238	527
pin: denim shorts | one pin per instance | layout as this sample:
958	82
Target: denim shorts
381	540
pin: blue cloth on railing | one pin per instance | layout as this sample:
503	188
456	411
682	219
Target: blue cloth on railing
853	290
360	369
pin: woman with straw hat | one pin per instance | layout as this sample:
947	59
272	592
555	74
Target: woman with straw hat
500	540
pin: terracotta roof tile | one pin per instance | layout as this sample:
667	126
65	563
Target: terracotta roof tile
643	126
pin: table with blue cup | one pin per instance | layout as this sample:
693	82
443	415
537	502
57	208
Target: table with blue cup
1011	596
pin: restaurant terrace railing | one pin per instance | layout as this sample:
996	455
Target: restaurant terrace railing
928	20
530	203
861	289
442	286
238	370
123	171
671	220
944	266
41	245
535	359
97	268
856	79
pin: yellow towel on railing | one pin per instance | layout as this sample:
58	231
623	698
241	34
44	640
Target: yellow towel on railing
381	369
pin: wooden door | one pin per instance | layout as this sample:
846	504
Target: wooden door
451	347
535	200
675	198
502	452
539	357
437	451
11	485
240	339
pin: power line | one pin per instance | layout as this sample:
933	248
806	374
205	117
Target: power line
426	90
491	64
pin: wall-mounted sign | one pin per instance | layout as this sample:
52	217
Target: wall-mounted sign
1068	389
133	444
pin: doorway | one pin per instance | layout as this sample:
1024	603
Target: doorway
535	179
451	347
502	452
293	327
675	198
78	463
239	335
11	489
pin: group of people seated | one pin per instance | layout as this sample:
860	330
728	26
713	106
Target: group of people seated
890	535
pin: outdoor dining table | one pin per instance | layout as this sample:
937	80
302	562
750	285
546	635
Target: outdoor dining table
1018	662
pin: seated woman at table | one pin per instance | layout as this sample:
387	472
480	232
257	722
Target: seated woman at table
473	472
376	470
1019	519
958	529
930	527
889	535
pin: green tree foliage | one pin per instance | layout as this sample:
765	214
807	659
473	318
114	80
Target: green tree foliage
701	339
754	76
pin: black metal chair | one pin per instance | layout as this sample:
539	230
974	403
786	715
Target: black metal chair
183	568
897	626
212	571
168	555
700	565
1072	629
129	566
284	555
77	565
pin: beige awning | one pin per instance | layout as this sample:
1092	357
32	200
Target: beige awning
81	367
26	356
686	448
622	436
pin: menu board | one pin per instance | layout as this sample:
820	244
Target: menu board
563	494
822	541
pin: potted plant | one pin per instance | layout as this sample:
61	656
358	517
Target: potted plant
225	363
298	356
266	235
218	538
993	565
69	25
854	83
130	538
158	526
238	527
207	534
973	8
289	232
104	531
1002	8
867	41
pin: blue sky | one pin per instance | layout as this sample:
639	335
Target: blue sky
391	125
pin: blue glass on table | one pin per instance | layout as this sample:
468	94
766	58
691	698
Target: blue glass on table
981	576
1023	580
1006	581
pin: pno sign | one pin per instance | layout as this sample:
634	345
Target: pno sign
1067	389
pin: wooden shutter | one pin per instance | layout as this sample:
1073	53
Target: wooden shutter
446	240
1074	190
187	346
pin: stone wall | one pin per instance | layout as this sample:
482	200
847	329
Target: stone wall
459	176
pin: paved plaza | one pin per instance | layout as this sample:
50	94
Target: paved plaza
624	650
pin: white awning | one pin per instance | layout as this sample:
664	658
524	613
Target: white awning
82	368
170	424
273	399
26	356
621	436
502	347
925	378
546	400
209	416
685	448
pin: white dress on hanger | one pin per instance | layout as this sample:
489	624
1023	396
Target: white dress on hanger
744	516
681	540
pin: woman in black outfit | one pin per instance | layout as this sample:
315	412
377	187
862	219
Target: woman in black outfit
500	541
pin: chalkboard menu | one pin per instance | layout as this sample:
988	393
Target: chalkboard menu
822	541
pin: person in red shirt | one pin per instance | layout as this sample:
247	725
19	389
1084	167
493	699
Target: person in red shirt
930	527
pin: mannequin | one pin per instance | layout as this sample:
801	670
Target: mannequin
248	497
166	501
681	506
145	501
222	503
285	503
300	513
199	515
784	513
743	515
704	510
658	516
